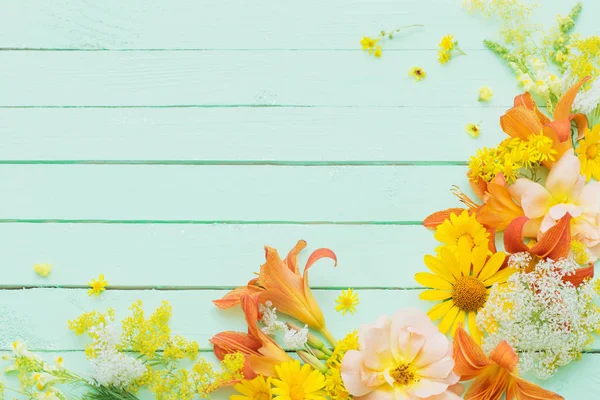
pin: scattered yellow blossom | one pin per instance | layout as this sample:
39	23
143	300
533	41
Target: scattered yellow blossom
334	386
97	286
588	152
373	44
447	43
369	44
473	129
258	388
417	73
443	56
447	46
298	382
347	302
485	93
377	52
42	269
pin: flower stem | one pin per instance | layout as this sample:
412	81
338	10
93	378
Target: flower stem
329	337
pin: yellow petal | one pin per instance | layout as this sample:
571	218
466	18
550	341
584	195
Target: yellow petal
436	266
433	281
448	319
500	276
435	295
449	260
492	266
439	310
459	321
479	256
464	257
473	329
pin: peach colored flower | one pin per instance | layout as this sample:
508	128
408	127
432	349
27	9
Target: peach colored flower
565	191
399	358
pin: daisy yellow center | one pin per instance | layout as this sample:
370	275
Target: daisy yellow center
592	151
466	237
469	293
403	375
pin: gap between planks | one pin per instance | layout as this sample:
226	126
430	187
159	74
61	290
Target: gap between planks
193	288
357	163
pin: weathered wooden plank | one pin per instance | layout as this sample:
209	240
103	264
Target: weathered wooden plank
217	193
242	24
257	78
181	255
260	134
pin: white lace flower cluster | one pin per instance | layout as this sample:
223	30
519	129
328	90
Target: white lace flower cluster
293	338
548	320
111	367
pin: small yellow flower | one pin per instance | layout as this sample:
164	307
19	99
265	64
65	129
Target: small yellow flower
579	252
473	129
377	52
588	152
42	269
485	93
561	57
97	286
368	43
347	302
258	388
417	73
447	43
443	56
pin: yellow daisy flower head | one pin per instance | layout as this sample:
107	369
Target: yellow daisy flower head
485	93
443	56
462	285
258	388
473	129
447	43
417	73
377	51
368	43
588	152
463	234
298	382
42	269
347	302
97	286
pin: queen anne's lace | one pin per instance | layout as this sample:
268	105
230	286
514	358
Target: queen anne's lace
548	320
111	367
292	338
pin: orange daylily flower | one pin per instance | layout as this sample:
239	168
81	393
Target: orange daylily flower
554	244
525	119
261	353
281	283
495	375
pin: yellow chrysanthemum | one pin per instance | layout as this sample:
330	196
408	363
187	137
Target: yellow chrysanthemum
447	43
97	286
462	284
347	302
42	269
443	56
368	43
588	153
485	93
297	382
417	73
473	130
258	388
463	234
334	386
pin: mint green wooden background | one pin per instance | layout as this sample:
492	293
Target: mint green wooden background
164	142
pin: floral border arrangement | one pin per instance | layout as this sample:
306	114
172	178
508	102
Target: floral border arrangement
527	309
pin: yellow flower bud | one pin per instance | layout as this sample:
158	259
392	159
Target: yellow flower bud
42	269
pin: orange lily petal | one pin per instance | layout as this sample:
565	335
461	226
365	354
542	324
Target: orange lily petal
234	297
563	107
439	217
580	275
317	255
556	241
470	361
513	236
582	124
524	390
520	122
490	385
505	356
499	209
478	185
292	258
526	100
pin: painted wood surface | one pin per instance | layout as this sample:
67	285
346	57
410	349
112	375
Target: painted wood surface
164	143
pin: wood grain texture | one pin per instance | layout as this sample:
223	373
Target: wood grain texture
226	193
244	24
269	78
177	256
260	134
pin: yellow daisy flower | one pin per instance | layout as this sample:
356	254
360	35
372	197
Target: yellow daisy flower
298	382
473	130
417	73
462	234
588	153
347	302
463	286
368	43
443	56
447	43
97	286
258	388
